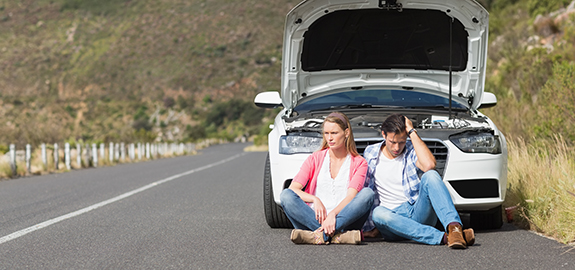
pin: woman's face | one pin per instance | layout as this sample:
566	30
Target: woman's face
334	135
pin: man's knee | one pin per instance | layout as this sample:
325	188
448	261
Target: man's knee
431	177
382	215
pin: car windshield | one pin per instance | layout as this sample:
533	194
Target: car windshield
378	98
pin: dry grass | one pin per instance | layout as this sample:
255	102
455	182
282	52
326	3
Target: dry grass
541	182
5	170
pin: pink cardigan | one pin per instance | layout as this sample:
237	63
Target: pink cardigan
312	165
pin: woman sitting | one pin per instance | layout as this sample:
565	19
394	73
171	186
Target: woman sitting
334	205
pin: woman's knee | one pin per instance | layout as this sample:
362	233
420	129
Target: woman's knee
287	197
366	195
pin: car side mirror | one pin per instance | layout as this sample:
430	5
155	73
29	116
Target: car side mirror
488	100
269	100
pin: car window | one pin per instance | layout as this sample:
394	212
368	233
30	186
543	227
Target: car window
378	98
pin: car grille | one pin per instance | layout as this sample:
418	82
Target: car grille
437	148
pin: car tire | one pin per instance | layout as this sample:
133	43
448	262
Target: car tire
275	216
488	220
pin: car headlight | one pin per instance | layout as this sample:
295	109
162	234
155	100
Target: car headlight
477	142
295	143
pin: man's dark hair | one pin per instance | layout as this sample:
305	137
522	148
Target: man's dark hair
395	123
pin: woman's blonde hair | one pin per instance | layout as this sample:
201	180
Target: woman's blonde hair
343	122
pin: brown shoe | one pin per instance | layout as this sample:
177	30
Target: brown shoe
349	237
455	237
307	237
469	235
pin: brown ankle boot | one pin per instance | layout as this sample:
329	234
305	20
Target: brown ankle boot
307	237
469	235
349	237
455	237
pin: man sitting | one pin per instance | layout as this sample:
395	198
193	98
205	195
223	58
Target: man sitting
407	207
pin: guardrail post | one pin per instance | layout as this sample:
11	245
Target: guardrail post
44	155
56	156
148	151
139	151
28	158
87	155
79	155
67	155
123	152
111	152
13	159
95	154
117	151
132	152
102	151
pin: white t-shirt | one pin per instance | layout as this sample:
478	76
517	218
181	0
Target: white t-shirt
332	191
388	181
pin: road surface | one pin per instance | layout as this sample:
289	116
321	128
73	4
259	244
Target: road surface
206	212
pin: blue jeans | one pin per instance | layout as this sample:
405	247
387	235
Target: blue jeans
416	222
351	217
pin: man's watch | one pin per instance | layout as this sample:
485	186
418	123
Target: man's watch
411	131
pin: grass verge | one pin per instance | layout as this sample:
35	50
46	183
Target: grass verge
541	183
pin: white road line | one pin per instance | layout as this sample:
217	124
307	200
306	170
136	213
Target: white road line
112	200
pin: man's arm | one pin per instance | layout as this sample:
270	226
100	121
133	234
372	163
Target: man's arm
425	159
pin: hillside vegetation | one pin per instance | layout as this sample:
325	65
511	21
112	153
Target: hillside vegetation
101	70
125	70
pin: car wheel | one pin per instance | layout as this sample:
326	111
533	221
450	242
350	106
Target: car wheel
490	219
275	216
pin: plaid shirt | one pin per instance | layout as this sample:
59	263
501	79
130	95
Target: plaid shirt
410	179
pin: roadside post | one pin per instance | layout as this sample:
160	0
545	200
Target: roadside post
28	158
95	154
13	159
67	155
56	156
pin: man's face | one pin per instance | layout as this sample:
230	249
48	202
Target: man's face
395	143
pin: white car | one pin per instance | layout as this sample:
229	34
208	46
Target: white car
424	59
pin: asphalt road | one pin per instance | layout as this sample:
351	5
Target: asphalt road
206	212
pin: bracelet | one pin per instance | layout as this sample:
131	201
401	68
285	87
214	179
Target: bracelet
411	131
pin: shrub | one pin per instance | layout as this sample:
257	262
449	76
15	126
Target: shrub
169	102
182	102
98	7
557	103
194	133
142	124
537	7
4	149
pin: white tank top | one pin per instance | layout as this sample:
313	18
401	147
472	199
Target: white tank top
332	191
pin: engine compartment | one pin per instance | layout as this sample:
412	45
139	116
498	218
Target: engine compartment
366	123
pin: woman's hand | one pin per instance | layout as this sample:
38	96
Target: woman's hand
328	225
320	212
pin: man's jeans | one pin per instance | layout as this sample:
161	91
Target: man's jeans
351	217
416	222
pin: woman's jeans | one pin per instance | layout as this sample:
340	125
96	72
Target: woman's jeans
351	217
416	222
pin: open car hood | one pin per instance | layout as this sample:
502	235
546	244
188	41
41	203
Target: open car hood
337	45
